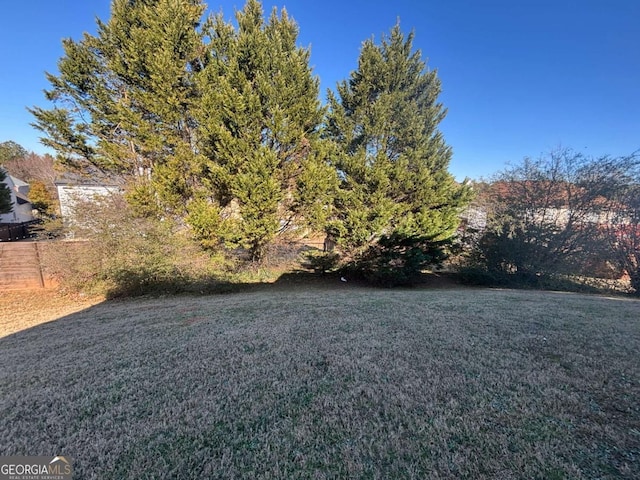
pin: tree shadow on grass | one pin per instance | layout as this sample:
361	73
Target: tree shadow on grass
134	285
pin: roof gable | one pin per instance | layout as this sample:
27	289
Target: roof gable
17	182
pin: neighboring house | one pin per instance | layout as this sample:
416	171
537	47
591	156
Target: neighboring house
69	195
552	203
473	218
22	210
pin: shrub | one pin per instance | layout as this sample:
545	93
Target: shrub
561	216
478	275
398	260
74	265
41	198
118	254
321	262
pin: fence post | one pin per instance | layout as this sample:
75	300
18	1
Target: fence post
41	276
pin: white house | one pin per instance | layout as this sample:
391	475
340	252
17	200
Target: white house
22	210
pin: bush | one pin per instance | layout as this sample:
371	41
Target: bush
74	265
321	262
561	216
398	260
117	254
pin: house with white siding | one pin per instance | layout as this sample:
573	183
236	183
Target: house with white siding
22	210
70	195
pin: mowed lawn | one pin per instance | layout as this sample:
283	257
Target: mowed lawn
340	382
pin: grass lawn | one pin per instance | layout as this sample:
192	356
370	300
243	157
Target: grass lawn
333	382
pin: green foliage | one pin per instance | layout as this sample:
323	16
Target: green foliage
317	185
398	260
392	159
142	199
216	112
121	100
6	205
11	150
204	219
321	262
259	120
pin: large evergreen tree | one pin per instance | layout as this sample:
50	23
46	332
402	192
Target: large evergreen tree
219	123
259	122
393	161
6	206
122	98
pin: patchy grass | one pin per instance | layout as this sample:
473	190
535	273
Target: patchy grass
335	382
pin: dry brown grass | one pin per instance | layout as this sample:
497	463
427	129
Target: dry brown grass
23	309
337	382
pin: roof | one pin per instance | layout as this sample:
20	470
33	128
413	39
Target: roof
22	197
87	185
87	180
17	182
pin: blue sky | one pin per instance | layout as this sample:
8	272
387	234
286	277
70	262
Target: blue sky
519	77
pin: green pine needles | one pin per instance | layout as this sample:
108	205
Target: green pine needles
220	124
395	188
6	205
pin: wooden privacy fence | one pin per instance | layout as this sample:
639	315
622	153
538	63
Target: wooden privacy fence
12	232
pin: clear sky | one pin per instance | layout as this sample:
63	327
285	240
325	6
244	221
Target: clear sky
519	77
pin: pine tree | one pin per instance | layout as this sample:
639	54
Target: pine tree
393	160
6	206
397	204
259	122
218	123
122	98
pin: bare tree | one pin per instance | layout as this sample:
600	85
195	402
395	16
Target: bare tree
621	211
32	167
557	214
